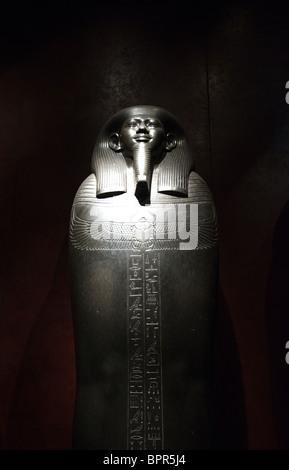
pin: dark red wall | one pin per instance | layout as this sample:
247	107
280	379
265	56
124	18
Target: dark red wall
221	69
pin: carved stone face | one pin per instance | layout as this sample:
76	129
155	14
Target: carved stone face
142	130
142	137
154	140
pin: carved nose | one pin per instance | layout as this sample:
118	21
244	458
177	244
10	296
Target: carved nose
142	129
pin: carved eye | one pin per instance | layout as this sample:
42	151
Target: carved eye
152	123
132	123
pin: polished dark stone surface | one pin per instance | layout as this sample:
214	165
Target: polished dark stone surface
188	299
144	280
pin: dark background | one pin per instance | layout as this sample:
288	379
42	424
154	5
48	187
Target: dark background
221	69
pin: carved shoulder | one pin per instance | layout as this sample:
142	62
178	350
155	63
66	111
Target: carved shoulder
199	192
86	192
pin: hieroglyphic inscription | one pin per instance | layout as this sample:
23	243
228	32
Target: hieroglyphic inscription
136	397
153	379
145	423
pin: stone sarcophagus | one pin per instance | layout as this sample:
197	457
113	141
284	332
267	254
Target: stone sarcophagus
144	265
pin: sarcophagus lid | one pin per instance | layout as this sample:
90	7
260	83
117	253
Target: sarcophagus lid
143	263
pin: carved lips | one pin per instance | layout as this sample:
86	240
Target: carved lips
142	138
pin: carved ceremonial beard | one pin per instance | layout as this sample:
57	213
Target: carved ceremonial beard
142	155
